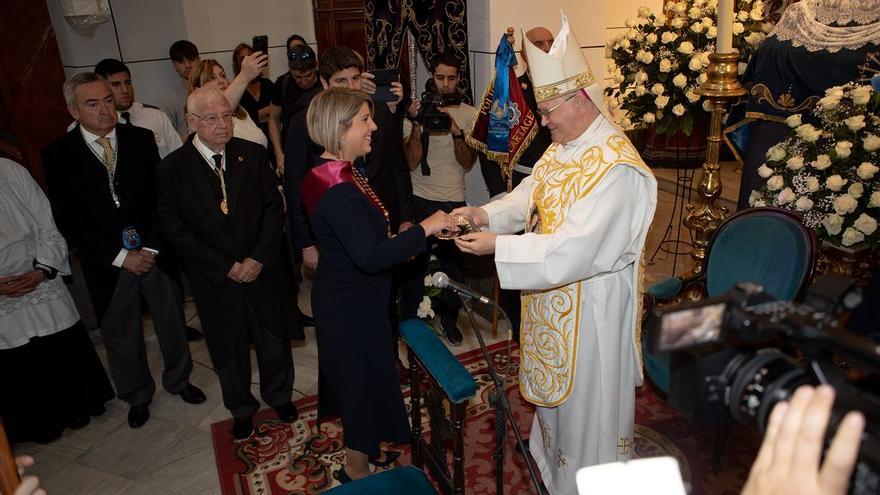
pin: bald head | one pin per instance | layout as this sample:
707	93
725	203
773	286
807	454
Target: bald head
540	37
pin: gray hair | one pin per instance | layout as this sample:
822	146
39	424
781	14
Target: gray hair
201	96
76	81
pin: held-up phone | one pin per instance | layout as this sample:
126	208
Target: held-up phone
261	44
383	79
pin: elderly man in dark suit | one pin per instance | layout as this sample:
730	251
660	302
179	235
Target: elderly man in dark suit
220	207
103	195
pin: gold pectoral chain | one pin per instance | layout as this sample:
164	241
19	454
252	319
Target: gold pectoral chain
368	191
224	204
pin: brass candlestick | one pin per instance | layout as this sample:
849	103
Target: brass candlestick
703	218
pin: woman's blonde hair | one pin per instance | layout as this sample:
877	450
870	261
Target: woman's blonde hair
331	113
203	73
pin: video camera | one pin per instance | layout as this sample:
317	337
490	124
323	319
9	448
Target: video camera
432	119
734	357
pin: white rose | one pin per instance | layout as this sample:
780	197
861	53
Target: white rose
651	38
711	32
648	118
833	224
692	96
843	149
704	59
661	101
874	202
429	282
795	163
617	79
708	22
677	23
835	183
794	120
698	27
835	92
678	110
828	102
812	184
686	48
694	13
680	80
764	171
625	44
657	89
644	57
625	123
867	170
856	189
861	95
785	196
821	162
808	133
711	4
803	203
844	204
775	183
855	122
757	13
425	310
640	90
644	12
776	153
755	38
630	22
631	34
754	197
694	64
866	224
738	28
851	236
641	76
707	105
665	65
668	37
743	16
871	142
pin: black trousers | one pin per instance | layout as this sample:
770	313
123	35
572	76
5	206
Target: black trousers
413	287
274	362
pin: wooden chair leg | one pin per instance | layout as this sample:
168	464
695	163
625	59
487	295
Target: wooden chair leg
416	409
458	415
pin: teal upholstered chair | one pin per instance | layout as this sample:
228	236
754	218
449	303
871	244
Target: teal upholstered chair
768	246
451	382
398	481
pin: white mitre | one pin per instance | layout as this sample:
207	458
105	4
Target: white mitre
563	70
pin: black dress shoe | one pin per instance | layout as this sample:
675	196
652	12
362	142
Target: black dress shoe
138	415
306	320
341	475
390	457
78	422
242	428
287	413
193	334
451	331
192	394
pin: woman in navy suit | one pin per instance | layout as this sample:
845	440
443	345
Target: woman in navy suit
352	286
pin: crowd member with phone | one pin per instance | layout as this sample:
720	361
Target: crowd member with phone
292	92
258	94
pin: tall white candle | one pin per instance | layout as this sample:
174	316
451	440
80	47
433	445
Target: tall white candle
725	27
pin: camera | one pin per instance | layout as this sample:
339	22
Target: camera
429	116
734	357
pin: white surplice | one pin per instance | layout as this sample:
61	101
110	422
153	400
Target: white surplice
586	210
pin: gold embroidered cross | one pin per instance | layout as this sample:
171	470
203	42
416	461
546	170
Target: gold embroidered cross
624	446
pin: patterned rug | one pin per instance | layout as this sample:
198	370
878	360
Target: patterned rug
282	459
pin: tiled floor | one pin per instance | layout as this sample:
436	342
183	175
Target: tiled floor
173	453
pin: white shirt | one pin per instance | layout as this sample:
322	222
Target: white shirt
175	108
446	182
208	153
152	119
28	233
247	130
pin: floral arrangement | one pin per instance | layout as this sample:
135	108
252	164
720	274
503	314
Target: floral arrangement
659	62
826	172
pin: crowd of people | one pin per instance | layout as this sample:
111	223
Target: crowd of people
242	184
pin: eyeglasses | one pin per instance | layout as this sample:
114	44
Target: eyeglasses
546	113
213	120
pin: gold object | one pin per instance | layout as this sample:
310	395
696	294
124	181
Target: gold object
704	217
465	226
224	207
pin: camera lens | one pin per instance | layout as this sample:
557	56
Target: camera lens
759	383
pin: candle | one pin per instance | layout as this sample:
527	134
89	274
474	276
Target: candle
725	27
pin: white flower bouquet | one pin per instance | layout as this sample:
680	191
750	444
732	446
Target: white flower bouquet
827	172
659	62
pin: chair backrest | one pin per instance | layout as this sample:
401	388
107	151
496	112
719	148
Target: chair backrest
768	246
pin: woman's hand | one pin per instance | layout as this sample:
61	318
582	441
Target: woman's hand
19	285
437	222
30	485
477	215
252	65
478	243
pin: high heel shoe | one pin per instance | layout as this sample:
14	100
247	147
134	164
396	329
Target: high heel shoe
390	457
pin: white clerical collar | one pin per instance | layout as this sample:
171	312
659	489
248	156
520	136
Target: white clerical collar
589	134
91	138
207	153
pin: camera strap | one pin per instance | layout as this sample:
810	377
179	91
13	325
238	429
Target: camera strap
426	170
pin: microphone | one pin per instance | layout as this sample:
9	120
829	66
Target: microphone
442	281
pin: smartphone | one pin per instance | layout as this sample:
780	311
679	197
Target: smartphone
383	79
261	44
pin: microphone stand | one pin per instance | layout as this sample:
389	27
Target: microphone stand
502	409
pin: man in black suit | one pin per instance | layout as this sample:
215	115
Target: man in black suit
103	194
220	207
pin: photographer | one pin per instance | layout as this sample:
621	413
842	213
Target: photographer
438	158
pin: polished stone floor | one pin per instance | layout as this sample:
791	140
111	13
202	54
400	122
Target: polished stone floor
173	453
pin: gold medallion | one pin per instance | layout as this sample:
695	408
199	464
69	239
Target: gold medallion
224	207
